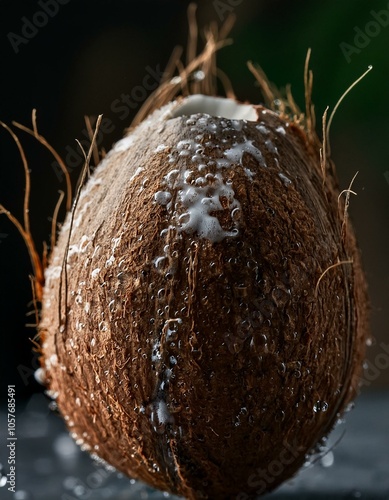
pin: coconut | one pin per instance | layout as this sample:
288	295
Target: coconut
210	321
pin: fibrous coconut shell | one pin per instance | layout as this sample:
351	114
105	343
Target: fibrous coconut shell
211	319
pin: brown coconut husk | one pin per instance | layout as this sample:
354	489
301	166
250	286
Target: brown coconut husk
190	363
240	391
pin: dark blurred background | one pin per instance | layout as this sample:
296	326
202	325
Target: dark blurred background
84	57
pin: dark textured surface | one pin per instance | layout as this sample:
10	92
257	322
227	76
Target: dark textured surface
50	466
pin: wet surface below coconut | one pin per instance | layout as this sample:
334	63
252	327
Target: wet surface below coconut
354	463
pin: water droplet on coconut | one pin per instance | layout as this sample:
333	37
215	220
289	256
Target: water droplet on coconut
327	459
160	263
199	75
53	406
162	197
95	273
279	416
103	326
235	214
110	261
320	406
40	375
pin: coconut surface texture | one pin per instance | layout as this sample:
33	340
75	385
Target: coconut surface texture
209	322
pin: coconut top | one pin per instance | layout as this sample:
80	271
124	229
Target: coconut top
200	199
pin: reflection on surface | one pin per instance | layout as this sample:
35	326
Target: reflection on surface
353	464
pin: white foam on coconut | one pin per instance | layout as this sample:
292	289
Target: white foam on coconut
162	197
285	179
95	273
163	414
235	154
201	197
85	242
263	129
137	172
270	146
199	202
